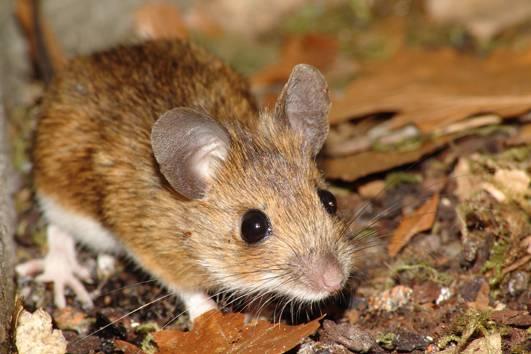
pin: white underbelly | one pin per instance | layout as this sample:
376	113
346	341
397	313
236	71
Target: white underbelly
84	229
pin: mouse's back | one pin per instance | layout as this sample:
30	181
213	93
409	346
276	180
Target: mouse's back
99	112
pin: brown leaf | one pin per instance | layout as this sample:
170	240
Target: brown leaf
314	49
482	18
422	219
126	347
24	11
512	318
434	89
215	332
160	20
481	302
523	136
365	163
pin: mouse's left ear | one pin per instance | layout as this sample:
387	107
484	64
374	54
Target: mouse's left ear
304	104
188	146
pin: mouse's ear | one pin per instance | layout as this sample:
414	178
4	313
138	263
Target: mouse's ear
304	104
188	146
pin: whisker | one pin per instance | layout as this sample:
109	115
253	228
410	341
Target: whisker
124	316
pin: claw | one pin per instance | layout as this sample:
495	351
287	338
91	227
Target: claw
60	266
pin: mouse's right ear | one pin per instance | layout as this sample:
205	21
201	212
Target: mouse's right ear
188	146
303	104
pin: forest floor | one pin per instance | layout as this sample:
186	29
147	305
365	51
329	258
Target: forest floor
439	185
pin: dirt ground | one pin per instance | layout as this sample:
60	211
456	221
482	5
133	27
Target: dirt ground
456	281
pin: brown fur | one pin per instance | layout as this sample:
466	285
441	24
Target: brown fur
93	156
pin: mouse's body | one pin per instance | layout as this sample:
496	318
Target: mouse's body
157	151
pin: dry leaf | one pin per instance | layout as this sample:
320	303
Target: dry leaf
315	49
490	344
34	334
512	318
24	12
481	302
372	189
215	332
126	347
514	181
420	220
365	163
523	136
434	89
160	20
482	18
391	299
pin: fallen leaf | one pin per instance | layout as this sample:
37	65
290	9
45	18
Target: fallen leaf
512	318
482	18
434	89
481	301
160	20
420	220
392	299
514	181
34	334
467	183
352	167
372	189
24	11
70	318
126	347
215	332
472	123
315	49
516	264
247	18
523	136
490	344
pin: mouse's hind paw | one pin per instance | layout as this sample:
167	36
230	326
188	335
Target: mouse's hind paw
60	266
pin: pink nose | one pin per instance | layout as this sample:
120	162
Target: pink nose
331	277
324	274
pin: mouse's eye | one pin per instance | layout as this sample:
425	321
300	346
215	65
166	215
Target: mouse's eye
328	200
255	226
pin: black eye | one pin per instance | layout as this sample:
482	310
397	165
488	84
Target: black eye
255	226
328	200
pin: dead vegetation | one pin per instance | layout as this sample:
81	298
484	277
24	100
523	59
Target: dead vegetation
429	149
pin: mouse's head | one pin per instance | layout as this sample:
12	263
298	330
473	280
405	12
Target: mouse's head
264	221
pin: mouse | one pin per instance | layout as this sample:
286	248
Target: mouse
158	152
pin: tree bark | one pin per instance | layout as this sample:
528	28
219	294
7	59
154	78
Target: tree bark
13	67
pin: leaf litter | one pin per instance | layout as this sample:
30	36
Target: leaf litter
456	120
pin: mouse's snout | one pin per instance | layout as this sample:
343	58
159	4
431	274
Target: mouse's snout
324	274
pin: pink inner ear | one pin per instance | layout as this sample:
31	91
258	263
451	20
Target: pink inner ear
187	145
208	157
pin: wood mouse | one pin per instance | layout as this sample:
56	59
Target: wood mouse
158	152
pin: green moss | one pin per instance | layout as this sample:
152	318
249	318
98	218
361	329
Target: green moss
148	344
422	271
496	261
147	327
395	179
243	54
386	340
518	154
319	17
465	326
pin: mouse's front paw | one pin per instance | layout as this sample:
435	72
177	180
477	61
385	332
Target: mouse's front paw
60	266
